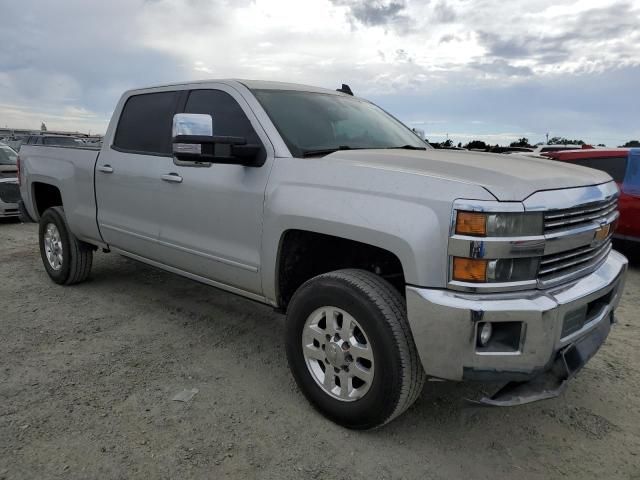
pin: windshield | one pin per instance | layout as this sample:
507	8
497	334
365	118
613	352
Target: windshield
312	122
7	155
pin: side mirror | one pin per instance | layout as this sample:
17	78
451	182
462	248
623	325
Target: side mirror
193	141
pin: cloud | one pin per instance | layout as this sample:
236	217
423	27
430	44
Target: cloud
72	61
579	41
376	13
500	68
517	66
597	107
443	13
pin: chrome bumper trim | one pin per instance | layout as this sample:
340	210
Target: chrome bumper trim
443	323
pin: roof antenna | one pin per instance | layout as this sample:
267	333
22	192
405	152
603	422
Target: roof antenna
345	89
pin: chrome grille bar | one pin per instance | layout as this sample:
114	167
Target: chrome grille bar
571	259
567	254
571	217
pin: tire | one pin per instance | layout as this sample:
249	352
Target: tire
74	264
394	377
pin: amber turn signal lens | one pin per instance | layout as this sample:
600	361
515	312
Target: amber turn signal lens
471	223
469	269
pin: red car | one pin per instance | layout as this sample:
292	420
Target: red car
623	164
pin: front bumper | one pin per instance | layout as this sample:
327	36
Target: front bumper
8	210
444	324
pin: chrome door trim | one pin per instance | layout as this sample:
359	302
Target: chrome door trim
233	263
197	278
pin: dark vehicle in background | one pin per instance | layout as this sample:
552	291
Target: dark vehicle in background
9	192
53	140
623	164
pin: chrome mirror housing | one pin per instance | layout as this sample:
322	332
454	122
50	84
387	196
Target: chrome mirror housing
187	124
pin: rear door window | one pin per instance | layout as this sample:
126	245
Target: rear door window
614	166
145	124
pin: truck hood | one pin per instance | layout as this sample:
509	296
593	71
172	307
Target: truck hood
507	177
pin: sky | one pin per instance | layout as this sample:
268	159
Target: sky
467	69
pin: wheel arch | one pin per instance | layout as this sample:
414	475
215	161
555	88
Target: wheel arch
45	195
303	254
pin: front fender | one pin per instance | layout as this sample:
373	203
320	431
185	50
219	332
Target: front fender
385	212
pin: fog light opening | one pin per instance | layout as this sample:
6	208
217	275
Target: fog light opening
484	333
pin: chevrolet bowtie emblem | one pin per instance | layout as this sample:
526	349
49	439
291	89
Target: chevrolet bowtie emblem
602	232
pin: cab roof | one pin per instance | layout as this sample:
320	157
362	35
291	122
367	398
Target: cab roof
250	84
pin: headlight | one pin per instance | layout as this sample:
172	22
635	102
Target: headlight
478	270
512	224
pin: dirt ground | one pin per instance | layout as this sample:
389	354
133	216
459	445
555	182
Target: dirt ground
87	376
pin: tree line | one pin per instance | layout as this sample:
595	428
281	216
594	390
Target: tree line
524	143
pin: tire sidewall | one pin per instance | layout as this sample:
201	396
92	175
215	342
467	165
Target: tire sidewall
55	215
383	395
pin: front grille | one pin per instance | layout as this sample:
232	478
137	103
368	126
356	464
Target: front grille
571	263
9	192
587	214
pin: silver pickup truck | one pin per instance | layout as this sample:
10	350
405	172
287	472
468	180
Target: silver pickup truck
393	262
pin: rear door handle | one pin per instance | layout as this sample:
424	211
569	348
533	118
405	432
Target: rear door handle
172	177
105	168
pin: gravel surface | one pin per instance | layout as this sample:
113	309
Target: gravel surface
88	375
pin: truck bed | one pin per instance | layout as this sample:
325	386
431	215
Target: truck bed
71	170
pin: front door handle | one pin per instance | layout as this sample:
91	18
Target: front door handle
105	168
172	177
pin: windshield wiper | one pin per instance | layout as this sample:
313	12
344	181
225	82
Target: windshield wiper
407	147
326	151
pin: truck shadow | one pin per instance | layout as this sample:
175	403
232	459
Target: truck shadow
631	250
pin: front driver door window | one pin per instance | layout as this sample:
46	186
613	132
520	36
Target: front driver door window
213	217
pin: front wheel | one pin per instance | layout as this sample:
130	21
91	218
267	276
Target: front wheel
350	348
66	259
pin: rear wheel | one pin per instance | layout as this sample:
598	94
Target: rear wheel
350	348
66	259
